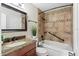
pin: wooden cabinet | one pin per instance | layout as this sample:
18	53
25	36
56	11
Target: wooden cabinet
31	53
29	50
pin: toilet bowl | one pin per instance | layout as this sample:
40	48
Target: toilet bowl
41	51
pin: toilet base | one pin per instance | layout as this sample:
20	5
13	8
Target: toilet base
40	51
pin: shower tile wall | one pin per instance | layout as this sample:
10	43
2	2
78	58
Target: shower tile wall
59	22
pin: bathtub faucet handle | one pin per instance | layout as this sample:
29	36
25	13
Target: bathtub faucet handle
71	53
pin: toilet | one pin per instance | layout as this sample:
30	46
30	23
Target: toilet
40	51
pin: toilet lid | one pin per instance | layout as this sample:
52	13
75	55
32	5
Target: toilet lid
41	50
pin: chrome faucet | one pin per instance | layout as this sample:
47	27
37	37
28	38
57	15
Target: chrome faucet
13	39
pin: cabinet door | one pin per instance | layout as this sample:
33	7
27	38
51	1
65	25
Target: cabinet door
26	49
31	52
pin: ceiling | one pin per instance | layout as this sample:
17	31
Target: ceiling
46	6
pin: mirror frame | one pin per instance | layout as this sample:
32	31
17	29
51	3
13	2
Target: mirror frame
12	8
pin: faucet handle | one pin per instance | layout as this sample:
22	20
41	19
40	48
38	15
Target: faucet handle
14	38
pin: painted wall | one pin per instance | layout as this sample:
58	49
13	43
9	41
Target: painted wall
0	32
32	14
76	29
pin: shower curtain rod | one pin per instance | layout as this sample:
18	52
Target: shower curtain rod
56	8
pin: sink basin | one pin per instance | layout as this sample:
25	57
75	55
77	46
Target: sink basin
15	44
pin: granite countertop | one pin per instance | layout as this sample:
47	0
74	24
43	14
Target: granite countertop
6	51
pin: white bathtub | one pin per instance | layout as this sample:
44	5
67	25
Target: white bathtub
57	49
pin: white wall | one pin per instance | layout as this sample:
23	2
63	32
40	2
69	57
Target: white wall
0	31
32	14
76	28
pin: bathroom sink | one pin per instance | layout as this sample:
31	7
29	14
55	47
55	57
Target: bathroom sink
11	46
15	44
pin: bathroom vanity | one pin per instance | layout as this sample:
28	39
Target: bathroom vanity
28	50
19	48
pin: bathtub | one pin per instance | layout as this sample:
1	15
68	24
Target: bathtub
57	49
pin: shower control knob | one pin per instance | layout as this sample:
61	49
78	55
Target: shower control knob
71	53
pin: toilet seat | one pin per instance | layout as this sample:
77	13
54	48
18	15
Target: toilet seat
41	51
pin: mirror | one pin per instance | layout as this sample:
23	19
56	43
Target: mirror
12	19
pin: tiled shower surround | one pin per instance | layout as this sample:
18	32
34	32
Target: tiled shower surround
58	22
